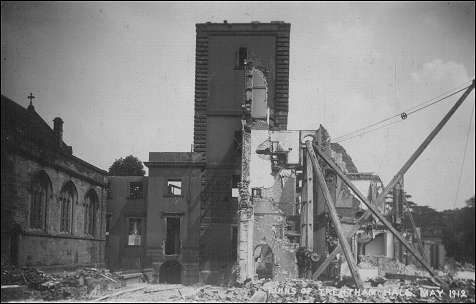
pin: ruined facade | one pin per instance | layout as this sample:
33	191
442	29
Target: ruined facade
173	215
154	221
234	63
53	203
126	222
244	204
191	202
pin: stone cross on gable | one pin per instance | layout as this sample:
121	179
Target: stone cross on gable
31	97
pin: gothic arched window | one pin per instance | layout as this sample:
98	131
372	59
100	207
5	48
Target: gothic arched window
40	192
67	197
91	206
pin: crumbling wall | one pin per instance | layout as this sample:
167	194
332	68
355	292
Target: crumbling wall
273	200
270	229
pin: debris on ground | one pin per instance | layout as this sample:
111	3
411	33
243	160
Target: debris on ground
375	291
80	284
91	284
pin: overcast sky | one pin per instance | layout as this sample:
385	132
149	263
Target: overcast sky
121	75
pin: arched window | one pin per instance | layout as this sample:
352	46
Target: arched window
91	206
40	192
67	197
259	106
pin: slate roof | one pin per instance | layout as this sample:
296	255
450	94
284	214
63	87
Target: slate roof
24	126
27	124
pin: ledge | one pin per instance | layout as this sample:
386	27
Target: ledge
62	236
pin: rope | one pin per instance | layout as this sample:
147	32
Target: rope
403	115
464	157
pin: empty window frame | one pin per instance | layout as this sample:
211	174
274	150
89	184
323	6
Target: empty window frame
259	92
234	243
135	232
136	190
256	193
109	191
242	58
108	223
235	185
40	191
174	187
172	242
91	205
67	196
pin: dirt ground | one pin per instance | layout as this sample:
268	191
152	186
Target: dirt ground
159	293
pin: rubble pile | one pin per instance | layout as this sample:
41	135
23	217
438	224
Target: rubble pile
309	291
218	294
80	284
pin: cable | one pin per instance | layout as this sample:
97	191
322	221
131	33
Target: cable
403	115
369	131
411	110
441	99
464	157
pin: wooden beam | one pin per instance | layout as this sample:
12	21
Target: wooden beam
381	198
423	145
377	213
394	181
309	205
397	178
335	218
326	263
412	221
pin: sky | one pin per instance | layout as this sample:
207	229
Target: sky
121	75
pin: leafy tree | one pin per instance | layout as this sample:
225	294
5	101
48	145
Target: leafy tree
458	235
128	166
455	227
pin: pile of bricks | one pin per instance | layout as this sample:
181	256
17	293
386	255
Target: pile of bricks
80	284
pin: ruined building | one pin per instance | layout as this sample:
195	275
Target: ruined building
53	203
234	63
189	210
243	204
125	222
154	221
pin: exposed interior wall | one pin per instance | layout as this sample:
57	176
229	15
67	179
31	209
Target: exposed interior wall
377	246
273	201
270	229
219	97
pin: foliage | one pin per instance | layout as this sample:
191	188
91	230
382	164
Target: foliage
458	232
455	227
128	166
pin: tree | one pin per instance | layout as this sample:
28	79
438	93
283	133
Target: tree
128	166
459	235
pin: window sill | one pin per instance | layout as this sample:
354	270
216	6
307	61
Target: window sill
37	230
61	235
135	198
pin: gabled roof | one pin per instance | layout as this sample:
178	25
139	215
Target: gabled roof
28	125
20	126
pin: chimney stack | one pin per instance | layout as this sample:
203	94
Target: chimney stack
58	129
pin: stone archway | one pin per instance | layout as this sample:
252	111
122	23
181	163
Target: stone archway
170	272
264	261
